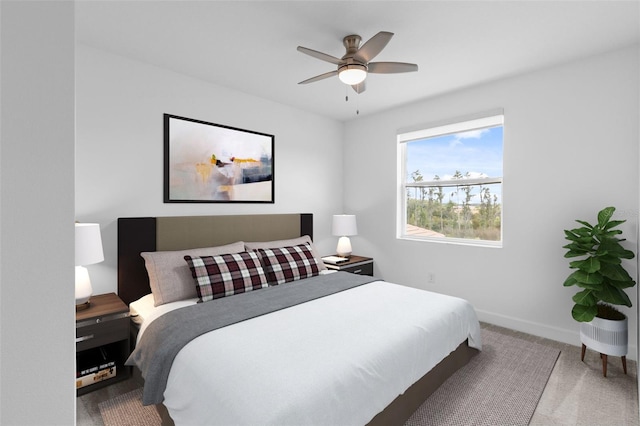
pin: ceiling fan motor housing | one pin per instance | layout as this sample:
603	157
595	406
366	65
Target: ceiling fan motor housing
351	43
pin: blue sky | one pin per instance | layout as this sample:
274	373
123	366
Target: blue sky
476	151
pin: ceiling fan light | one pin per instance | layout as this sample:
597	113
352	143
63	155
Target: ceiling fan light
352	74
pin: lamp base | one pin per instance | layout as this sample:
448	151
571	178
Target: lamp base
344	247
83	306
83	288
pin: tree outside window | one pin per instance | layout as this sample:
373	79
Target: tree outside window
451	179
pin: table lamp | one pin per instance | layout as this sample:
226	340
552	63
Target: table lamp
344	225
88	252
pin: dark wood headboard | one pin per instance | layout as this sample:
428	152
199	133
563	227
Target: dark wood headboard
138	234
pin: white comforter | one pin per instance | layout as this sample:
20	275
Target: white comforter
338	360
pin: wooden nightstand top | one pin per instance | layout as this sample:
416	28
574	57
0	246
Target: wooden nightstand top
103	305
353	259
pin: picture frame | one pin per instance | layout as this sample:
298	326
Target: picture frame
213	163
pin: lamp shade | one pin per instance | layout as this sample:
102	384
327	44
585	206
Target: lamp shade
88	244
344	225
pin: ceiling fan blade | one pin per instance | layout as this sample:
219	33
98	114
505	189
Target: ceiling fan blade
320	55
360	87
391	67
373	46
320	77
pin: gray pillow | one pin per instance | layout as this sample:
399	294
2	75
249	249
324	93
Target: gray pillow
169	275
305	239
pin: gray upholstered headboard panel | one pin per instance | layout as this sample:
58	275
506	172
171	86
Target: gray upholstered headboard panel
139	234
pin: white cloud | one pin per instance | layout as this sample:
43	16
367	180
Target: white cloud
471	134
455	142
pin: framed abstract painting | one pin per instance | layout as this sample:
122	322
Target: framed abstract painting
212	163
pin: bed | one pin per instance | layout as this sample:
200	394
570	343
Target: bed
321	348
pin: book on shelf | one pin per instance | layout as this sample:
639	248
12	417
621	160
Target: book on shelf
91	361
93	366
335	260
98	376
333	267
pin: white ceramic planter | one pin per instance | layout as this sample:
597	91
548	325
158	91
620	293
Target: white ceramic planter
606	336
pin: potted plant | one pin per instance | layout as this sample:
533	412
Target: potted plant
602	278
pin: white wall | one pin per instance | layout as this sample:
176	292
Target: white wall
571	148
119	149
36	214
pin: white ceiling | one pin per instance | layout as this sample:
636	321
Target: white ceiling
251	46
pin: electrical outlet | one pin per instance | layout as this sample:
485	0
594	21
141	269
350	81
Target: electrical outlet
431	278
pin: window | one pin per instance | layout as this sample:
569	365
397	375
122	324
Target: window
451	182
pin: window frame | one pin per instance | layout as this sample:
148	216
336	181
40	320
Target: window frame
485	120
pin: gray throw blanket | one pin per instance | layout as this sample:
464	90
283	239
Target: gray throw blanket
168	334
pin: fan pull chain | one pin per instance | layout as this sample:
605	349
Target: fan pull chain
346	99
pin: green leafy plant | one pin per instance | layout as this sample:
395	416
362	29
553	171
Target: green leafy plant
600	272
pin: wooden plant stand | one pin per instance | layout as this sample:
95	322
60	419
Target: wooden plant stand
604	361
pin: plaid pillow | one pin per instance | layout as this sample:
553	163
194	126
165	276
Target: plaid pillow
287	264
226	274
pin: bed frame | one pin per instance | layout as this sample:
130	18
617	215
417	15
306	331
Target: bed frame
140	234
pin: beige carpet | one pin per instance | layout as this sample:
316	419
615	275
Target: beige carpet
500	386
127	410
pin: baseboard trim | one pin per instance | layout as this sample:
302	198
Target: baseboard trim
571	337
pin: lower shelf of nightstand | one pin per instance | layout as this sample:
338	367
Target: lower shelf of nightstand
119	351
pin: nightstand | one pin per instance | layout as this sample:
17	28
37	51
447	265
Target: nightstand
102	341
356	265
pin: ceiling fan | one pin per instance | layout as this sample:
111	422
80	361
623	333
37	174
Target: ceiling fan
354	65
